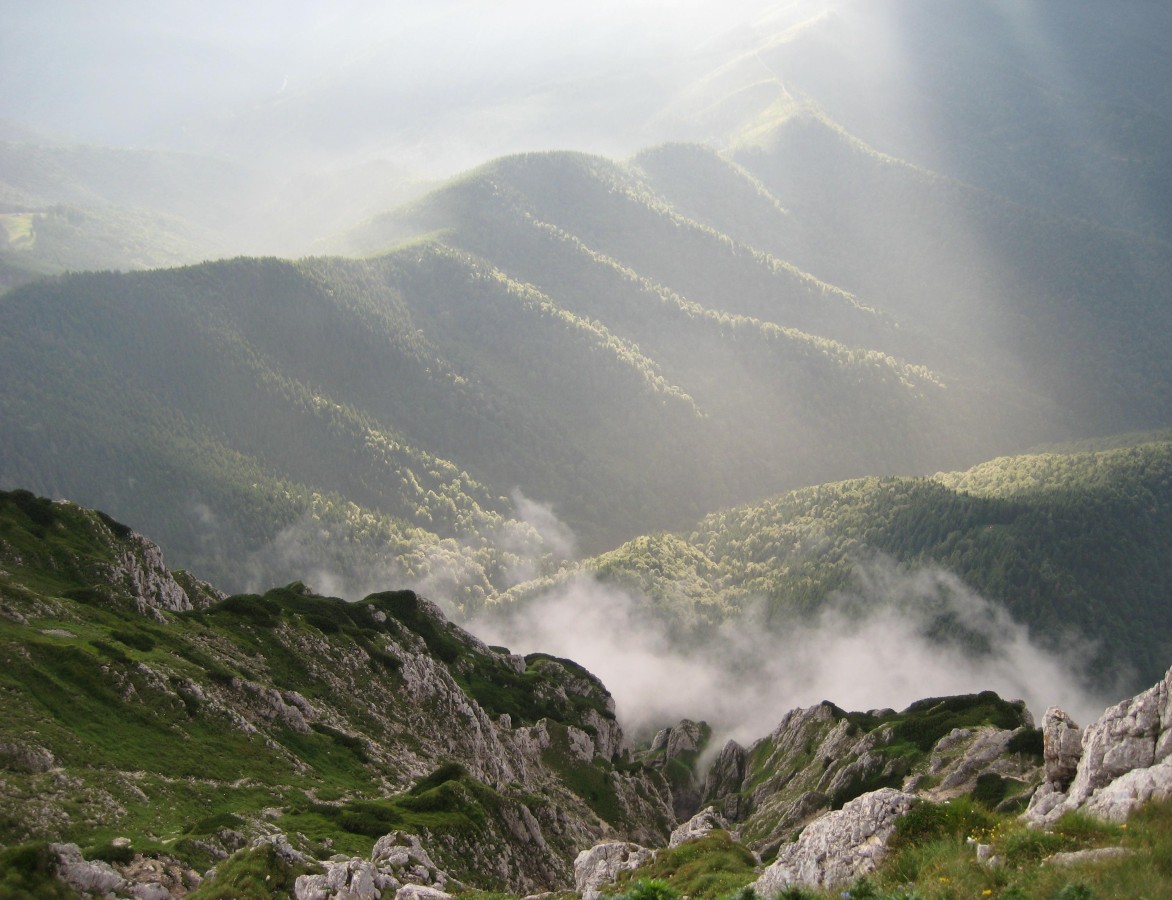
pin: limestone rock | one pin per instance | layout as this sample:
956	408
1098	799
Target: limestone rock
84	876
142	571
682	744
1125	760
725	777
397	862
420	892
687	737
1115	801
962	756
697	827
21	757
1062	740
601	864
1078	857
838	847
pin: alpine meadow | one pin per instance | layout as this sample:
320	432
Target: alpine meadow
657	451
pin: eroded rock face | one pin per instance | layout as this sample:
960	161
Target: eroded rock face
142	571
839	847
789	777
724	780
602	863
962	756
86	877
697	827
676	750
398	866
1062	739
1124	759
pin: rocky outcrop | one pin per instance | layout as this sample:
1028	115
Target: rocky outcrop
86	876
699	826
398	866
964	755
821	757
676	752
1125	759
813	757
602	863
838	847
724	780
142	878
20	756
1062	740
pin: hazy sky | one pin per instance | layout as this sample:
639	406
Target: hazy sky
217	73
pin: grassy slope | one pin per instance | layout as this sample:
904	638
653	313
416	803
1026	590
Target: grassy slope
931	859
172	728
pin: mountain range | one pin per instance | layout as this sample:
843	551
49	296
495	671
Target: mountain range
559	361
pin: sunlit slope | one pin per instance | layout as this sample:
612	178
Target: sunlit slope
178	712
228	403
194	400
811	379
1063	106
1074	545
1022	302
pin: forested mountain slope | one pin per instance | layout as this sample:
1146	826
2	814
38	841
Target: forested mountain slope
256	384
635	344
1072	544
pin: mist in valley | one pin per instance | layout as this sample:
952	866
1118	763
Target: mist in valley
897	635
810	240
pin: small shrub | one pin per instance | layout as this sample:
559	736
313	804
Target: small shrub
29	870
249	607
257	873
928	821
649	889
87	595
110	854
990	789
215	823
111	652
793	892
38	510
136	639
120	530
449	771
368	818
1075	891
1027	741
1030	845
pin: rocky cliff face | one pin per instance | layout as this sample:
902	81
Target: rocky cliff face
1117	763
327	723
839	846
819	758
374	747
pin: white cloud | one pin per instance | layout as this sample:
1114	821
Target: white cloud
872	647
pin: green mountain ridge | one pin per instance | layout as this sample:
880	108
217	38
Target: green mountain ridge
181	716
1069	543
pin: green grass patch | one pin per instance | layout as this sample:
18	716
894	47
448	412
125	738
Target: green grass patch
927	821
28	871
255	874
706	869
218	822
590	781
